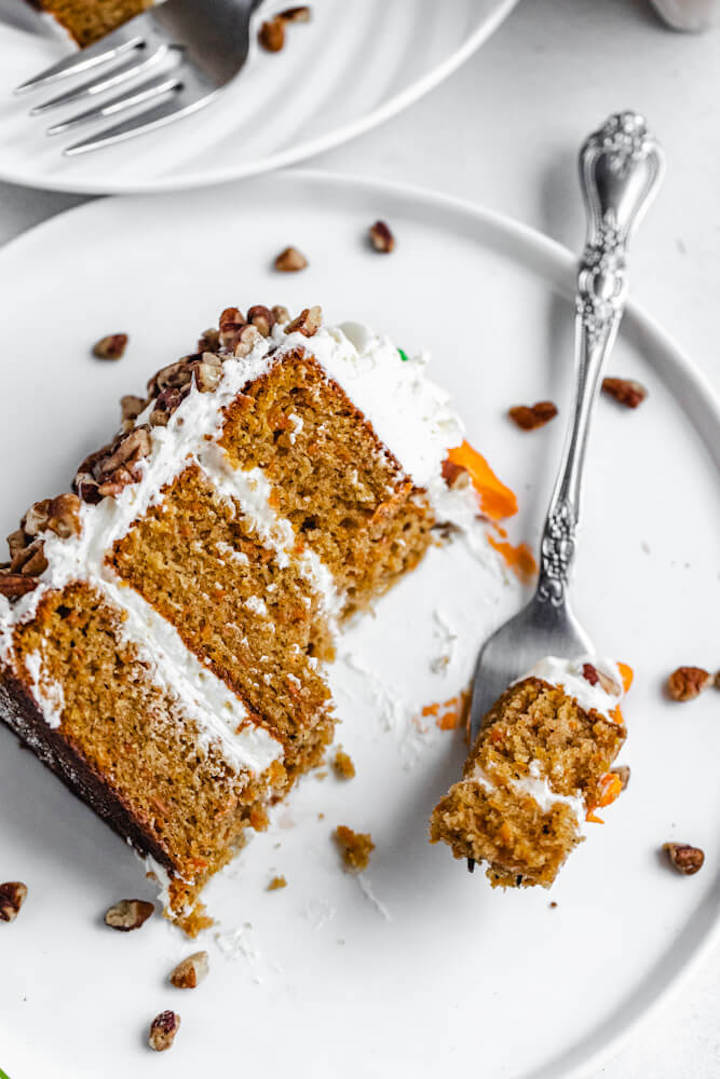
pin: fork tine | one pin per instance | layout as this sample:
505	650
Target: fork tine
108	48
138	95
148	120
139	63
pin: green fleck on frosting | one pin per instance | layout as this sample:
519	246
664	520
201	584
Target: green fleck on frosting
403	355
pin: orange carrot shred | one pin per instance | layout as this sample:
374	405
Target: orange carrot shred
496	500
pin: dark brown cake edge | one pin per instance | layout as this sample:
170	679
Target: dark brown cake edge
21	714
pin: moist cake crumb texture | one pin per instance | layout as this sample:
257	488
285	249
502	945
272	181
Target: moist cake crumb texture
165	630
539	769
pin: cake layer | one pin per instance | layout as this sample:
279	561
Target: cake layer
538	769
342	490
133	740
89	20
250	619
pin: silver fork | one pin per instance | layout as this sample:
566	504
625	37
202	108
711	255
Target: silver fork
621	166
206	45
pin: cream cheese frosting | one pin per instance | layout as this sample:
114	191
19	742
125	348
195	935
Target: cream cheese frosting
603	697
411	415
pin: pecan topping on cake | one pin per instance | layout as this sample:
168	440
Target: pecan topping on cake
307	323
163	1029
529	417
261	318
130	407
626	391
12	896
685	683
128	914
111	469
191	971
111	347
230	324
245	341
290	260
684	858
381	237
14	585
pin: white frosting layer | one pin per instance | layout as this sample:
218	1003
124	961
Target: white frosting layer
603	697
409	413
535	785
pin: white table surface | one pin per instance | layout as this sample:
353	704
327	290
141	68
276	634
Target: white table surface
504	132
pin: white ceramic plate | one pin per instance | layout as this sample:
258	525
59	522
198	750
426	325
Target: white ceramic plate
436	974
354	66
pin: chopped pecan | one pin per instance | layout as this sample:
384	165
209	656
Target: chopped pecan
30	560
166	403
14	585
12	896
529	417
684	858
301	13
622	771
128	914
626	391
246	341
111	347
290	260
280	314
191	971
590	674
163	1029
272	34
261	318
207	372
85	484
455	476
381	237
685	683
209	341
231	323
307	323
131	406
174	376
112	468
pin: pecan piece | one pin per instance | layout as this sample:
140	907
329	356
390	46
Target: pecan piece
684	858
261	318
290	260
231	323
381	237
307	323
111	347
165	404
590	674
272	34
280	314
529	417
12	896
245	341
207	372
685	683
626	391
209	341
191	971
30	560
128	914
301	13
131	406
455	476
163	1029
14	585
622	771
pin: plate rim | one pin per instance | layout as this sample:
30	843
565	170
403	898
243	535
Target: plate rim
555	263
290	156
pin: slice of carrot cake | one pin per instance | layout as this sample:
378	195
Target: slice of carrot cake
88	20
164	627
539	768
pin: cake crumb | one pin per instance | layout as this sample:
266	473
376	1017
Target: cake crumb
321	816
277	882
355	848
321	775
343	764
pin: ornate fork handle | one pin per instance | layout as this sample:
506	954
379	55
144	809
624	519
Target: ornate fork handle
620	168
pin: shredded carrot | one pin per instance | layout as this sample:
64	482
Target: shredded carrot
449	714
626	673
617	717
609	788
496	500
430	710
519	559
593	817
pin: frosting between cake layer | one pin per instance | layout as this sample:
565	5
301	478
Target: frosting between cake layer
410	414
537	787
